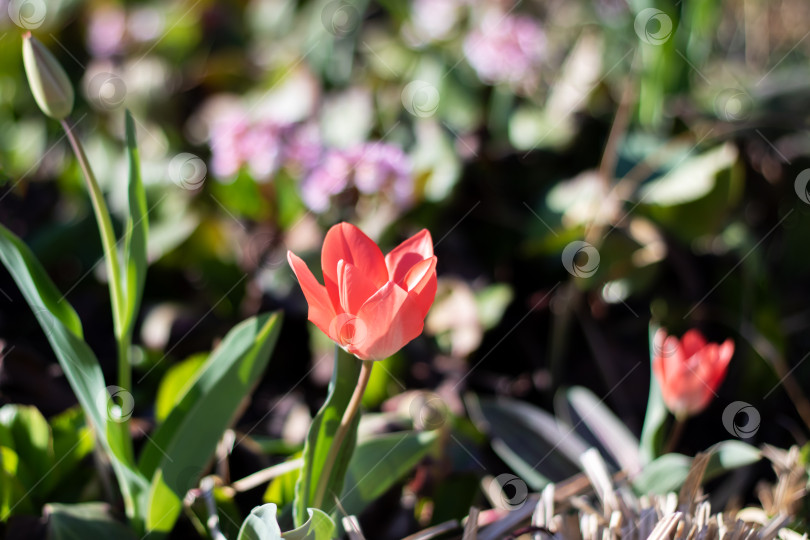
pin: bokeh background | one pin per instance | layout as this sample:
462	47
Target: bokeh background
584	167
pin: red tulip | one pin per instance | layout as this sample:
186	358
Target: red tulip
690	370
371	305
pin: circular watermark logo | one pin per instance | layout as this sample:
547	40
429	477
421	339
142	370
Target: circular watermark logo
428	411
349	330
580	259
801	185
664	346
653	26
27	14
420	98
340	18
733	105
106	91
118	403
741	419
508	492
187	171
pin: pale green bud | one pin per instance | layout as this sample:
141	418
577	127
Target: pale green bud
48	81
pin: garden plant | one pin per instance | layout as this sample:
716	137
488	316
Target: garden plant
460	269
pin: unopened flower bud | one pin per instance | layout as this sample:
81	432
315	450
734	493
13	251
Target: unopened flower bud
48	81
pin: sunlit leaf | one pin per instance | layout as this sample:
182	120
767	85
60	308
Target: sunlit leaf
179	449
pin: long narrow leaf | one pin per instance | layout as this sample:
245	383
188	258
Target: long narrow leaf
531	441
611	434
381	462
63	330
137	231
652	433
180	448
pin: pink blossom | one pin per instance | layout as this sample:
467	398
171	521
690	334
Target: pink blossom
373	167
506	49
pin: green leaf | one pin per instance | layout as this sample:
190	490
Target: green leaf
663	475
136	234
652	433
319	526
531	441
71	440
261	524
320	436
63	330
178	451
13	497
381	462
691	179
82	521
175	383
30	436
38	289
669	471
610	432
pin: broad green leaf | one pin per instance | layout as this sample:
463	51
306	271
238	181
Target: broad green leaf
71	438
531	441
261	524
136	234
180	448
12	492
319	526
82	521
63	330
610	432
379	463
652	433
30	437
692	179
669	471
320	436
175	383
663	475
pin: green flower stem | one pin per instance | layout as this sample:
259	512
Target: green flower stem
122	335
343	430
676	434
110	252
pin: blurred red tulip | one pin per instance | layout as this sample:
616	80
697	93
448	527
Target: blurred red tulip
371	305
690	370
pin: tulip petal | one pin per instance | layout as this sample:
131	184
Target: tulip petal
321	311
692	342
402	258
354	287
347	242
420	281
392	318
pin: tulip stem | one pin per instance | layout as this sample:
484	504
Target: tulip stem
342	431
108	242
675	435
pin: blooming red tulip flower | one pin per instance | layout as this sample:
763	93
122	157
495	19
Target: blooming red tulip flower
370	305
690	370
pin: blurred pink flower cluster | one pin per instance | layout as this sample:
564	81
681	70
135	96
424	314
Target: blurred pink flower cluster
506	49
371	167
236	141
265	146
111	28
